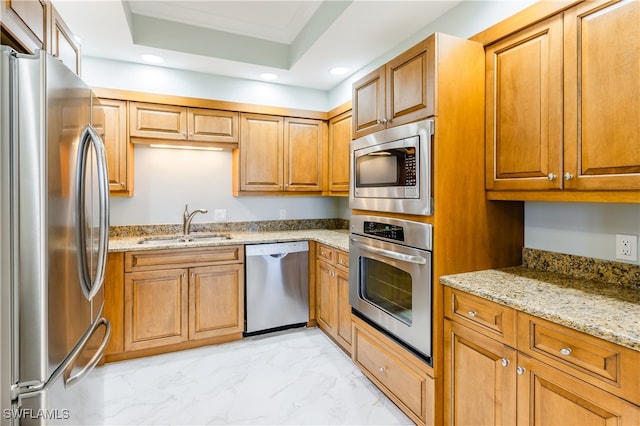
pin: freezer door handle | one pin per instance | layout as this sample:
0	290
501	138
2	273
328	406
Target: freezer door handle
90	138
21	390
71	380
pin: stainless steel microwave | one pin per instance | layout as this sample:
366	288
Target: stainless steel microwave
391	170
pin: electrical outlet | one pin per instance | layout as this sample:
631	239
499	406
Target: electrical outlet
627	247
220	215
283	213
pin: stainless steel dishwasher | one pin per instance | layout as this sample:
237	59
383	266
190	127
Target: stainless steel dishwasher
277	286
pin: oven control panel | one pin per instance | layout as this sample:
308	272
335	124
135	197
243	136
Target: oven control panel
384	230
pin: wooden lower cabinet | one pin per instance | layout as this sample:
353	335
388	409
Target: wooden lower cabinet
480	378
489	382
404	378
333	308
167	300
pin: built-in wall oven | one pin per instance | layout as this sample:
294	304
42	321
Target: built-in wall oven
390	278
391	170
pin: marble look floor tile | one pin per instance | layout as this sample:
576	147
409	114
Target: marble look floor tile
293	377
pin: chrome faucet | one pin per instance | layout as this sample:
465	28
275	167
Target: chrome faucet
186	222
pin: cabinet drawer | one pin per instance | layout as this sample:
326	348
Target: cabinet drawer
594	360
343	259
187	257
399	377
489	318
326	253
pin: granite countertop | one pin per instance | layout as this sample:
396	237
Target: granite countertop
610	311
338	238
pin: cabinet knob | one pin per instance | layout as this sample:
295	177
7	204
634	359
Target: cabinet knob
551	176
521	370
568	176
505	362
473	314
566	351
382	369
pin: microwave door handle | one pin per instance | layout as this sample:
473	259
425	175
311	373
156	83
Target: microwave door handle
360	243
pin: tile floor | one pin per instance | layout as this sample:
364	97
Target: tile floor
297	376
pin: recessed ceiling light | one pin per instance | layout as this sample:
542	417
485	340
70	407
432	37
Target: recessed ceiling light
269	76
152	59
339	70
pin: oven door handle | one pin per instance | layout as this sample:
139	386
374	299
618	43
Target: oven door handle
360	243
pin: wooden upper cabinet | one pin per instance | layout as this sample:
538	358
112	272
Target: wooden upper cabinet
157	121
304	140
149	122
602	96
524	109
64	45
368	99
278	154
208	125
401	91
562	106
25	24
338	153
119	150
260	150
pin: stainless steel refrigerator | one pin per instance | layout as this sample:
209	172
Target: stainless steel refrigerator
54	221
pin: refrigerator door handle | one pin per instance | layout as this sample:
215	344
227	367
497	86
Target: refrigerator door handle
90	138
24	389
71	380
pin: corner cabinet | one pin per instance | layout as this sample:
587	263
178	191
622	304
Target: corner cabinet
562	107
173	299
507	367
401	91
279	154
119	150
337	169
332	293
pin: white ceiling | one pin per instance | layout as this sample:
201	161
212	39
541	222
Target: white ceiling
300	40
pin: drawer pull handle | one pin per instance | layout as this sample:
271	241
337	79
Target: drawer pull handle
473	314
566	351
382	369
521	370
504	362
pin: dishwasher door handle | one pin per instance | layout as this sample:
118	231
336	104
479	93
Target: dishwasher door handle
279	255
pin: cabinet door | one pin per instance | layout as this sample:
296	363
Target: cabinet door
480	379
326	285
547	396
216	301
343	310
410	84
64	45
157	121
524	108
119	150
24	24
369	111
208	125
338	158
155	308
602	96
261	145
303	143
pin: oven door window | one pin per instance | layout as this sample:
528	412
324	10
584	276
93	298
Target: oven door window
387	287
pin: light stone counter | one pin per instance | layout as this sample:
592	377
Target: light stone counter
609	311
338	238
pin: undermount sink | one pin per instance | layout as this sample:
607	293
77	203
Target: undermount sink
196	237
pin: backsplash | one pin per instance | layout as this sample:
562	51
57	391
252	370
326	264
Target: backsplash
257	226
606	271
